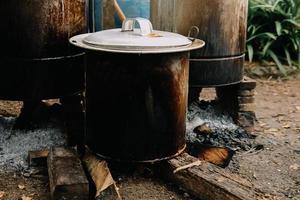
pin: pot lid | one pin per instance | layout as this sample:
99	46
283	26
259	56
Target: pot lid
134	40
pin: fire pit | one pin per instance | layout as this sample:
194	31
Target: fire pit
136	91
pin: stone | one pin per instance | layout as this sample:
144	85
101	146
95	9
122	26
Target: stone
203	129
66	175
244	100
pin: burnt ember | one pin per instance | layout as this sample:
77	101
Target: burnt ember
212	133
220	156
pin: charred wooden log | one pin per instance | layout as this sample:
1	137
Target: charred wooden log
207	181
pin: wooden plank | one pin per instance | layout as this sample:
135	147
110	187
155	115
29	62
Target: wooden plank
207	181
99	172
66	175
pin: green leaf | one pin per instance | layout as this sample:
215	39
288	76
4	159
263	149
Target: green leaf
267	35
250	52
285	31
270	35
293	22
261	6
274	32
299	58
278	28
266	48
294	43
288	57
277	61
275	4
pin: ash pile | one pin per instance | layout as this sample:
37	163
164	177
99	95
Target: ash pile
15	144
212	131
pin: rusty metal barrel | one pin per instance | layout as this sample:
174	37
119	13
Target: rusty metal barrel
222	25
37	61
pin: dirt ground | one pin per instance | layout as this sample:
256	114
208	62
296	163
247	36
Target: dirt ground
274	170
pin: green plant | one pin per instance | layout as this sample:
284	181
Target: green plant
274	32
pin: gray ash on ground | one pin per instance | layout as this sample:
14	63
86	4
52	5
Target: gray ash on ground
225	133
15	144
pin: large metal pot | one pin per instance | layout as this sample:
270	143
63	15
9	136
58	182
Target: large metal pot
37	61
136	92
222	24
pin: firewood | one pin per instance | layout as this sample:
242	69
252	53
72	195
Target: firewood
100	174
206	181
66	175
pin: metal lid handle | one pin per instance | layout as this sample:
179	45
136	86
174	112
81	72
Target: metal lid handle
145	25
193	33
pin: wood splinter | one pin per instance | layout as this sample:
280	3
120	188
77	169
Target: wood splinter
196	163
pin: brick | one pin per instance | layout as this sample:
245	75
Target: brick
246	100
247	107
246	119
248	84
246	93
66	175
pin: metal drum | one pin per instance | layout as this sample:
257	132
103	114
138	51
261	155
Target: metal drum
37	61
136	92
222	25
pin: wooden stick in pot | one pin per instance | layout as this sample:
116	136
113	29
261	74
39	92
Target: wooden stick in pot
119	11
